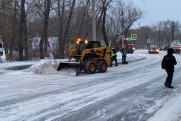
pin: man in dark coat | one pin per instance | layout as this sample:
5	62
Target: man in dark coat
170	68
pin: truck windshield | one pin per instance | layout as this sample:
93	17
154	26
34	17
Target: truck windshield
129	41
175	44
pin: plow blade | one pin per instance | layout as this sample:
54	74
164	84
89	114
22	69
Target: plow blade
69	67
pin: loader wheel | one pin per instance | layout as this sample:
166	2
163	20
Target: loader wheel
102	67
90	67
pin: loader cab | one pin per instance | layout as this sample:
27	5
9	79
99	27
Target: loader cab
82	45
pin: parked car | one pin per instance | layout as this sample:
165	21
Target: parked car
164	47
153	49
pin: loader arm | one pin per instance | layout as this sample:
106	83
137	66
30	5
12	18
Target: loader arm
73	54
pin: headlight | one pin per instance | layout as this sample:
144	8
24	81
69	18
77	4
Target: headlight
78	40
157	50
86	41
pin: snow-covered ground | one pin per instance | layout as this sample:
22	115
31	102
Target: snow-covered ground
42	76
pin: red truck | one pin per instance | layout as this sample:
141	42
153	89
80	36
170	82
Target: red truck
128	44
176	45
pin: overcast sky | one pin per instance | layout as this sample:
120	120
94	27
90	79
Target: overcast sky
158	10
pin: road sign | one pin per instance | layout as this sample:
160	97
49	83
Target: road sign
148	40
133	36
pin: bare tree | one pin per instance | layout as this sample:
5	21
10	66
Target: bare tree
14	33
122	18
163	31
82	18
65	19
6	13
104	8
22	33
60	29
63	36
44	35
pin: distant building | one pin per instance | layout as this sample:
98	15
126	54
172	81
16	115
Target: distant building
52	43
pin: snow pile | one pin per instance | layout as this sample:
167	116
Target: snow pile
48	66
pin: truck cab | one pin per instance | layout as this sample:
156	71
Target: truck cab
129	45
176	46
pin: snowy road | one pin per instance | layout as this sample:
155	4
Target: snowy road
132	92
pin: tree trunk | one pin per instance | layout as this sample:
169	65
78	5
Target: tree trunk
25	33
12	43
62	43
104	20
103	26
82	20
60	53
21	31
44	36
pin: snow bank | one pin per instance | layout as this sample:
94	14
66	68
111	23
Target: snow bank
130	57
49	67
44	67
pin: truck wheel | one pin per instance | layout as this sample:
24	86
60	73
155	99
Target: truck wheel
90	67
102	67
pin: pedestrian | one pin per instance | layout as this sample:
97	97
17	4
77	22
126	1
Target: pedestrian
113	57
124	54
171	61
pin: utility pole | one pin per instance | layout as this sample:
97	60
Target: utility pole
159	38
173	31
93	21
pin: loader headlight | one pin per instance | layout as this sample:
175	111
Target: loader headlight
86	41
78	40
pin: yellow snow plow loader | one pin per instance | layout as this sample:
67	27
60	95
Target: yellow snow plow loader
88	56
